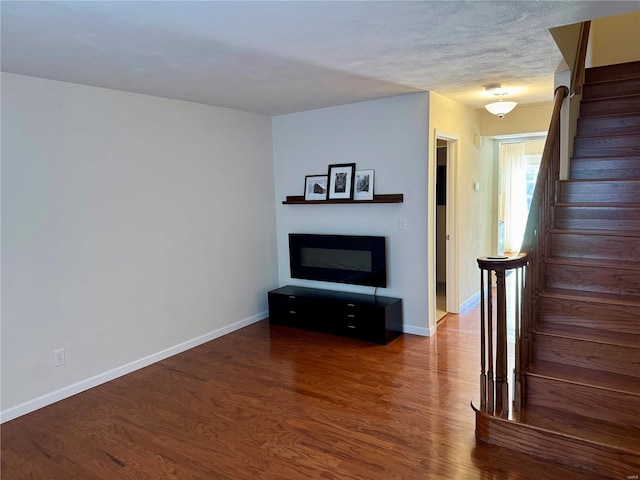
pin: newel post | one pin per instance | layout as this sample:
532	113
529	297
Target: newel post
494	385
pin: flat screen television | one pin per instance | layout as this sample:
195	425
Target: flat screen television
352	259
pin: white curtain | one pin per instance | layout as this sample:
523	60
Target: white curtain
513	195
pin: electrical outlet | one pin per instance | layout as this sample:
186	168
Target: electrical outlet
58	357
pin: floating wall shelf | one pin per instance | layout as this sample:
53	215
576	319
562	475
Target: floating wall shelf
386	198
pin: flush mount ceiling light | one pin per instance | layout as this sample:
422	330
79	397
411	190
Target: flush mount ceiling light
499	108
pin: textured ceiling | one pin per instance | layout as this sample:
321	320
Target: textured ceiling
282	57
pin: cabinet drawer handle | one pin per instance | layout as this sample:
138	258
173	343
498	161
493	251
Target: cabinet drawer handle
292	296
292	311
350	305
351	316
351	326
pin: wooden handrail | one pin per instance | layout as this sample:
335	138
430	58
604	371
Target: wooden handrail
581	59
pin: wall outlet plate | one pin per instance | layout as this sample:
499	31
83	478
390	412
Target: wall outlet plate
58	357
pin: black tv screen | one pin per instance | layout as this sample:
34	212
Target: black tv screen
352	259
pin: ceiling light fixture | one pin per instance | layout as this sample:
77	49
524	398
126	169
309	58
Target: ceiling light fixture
499	108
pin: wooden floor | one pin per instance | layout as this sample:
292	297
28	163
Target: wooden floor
278	403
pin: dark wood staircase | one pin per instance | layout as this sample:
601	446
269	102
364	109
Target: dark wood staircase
582	386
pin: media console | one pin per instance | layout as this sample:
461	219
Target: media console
366	317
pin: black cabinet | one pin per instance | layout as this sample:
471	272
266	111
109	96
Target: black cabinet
367	317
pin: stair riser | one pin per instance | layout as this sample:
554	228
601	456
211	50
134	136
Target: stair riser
614	106
607	405
599	126
586	354
622	168
612	73
607	461
620	145
606	174
617	191
610	89
600	316
597	218
591	279
604	247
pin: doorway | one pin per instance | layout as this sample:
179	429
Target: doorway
444	277
441	228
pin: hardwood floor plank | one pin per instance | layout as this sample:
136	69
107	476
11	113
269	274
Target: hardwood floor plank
273	402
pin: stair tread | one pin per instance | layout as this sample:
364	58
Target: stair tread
614	89
610	97
633	95
615	125
609	107
598	180
602	191
606	135
612	205
595	262
605	158
592	297
608	337
619	94
612	73
585	376
616	155
603	233
579	426
624	115
609	179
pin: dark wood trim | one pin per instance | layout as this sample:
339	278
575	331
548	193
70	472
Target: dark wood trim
579	68
383	198
502	263
548	442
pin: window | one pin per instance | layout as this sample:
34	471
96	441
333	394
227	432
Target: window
531	167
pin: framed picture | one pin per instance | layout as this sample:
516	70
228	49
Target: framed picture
315	187
341	180
363	185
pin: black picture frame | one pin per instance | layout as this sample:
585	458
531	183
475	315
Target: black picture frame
363	185
341	177
315	187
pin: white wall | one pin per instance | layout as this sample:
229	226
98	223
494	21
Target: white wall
133	227
389	136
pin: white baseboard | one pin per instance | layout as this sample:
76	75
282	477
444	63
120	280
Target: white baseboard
66	392
472	301
423	332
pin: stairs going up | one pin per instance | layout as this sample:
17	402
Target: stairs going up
584	380
582	387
